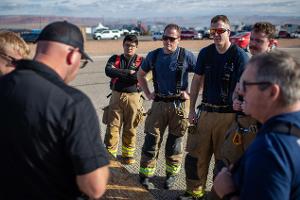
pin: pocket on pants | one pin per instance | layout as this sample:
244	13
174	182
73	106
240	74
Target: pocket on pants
105	114
184	124
139	117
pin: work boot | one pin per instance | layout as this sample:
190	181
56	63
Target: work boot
145	181
187	196
128	160
170	182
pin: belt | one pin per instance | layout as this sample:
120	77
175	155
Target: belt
168	99
216	108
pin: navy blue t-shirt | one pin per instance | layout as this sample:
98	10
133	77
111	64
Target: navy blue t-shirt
165	70
214	72
270	168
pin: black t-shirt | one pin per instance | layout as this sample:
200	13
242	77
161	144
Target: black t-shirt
49	134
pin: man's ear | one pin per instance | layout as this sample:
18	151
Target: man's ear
71	57
275	92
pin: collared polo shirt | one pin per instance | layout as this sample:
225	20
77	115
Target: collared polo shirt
49	134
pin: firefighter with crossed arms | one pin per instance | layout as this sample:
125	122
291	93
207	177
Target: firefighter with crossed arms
125	105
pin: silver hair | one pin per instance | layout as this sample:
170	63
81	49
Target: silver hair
280	68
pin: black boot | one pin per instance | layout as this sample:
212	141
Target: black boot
145	181
170	181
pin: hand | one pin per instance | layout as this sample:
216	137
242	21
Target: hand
237	105
185	95
132	71
192	117
223	183
150	96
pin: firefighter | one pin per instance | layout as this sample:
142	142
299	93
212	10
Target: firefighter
243	131
218	69
170	66
125	105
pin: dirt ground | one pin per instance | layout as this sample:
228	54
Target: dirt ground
109	47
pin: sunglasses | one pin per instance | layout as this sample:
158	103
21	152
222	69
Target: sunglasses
171	39
264	84
83	63
219	31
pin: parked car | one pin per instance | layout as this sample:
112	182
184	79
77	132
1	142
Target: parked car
157	36
124	31
199	35
284	34
107	34
189	34
205	33
99	30
295	34
134	32
30	37
241	39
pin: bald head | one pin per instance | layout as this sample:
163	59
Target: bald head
63	59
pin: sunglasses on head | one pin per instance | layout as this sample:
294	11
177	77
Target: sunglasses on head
171	39
219	31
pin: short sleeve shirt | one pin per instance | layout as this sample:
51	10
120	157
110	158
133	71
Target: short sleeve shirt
270	168
49	134
213	71
165	70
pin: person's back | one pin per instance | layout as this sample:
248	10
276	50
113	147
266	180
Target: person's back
50	146
36	110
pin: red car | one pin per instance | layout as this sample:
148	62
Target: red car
284	34
241	39
190	34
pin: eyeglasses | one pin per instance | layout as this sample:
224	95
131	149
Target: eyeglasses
7	57
171	39
249	83
83	63
219	31
130	45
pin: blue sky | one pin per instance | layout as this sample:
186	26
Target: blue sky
149	8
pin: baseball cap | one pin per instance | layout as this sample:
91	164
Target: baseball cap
66	33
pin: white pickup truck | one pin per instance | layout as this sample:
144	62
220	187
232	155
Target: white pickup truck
107	34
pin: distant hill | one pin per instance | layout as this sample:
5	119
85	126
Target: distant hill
19	21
